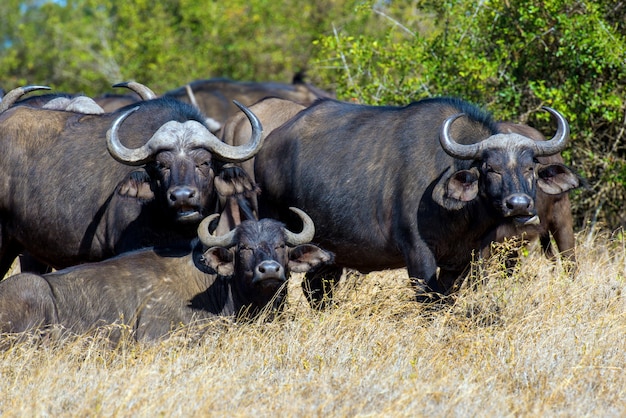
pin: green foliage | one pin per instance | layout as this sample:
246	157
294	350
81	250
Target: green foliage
88	45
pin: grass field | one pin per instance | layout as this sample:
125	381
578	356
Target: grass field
538	342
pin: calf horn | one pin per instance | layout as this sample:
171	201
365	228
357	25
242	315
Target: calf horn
472	151
142	91
200	136
206	238
308	229
11	97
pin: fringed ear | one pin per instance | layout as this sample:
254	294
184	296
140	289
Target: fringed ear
556	178
452	192
136	185
220	260
463	185
304	257
233	180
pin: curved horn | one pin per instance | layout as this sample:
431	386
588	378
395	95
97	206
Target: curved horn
308	229
453	148
121	153
226	240
144	92
11	97
559	141
236	154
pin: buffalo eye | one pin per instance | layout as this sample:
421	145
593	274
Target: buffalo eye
280	247
162	166
203	164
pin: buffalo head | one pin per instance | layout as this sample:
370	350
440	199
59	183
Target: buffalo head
260	256
183	154
505	171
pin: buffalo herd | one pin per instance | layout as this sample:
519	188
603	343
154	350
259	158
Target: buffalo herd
160	211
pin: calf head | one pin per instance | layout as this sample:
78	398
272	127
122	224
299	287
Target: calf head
259	256
185	156
505	170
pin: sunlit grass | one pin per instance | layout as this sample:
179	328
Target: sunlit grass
537	342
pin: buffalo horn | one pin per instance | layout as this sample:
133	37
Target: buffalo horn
197	136
144	92
236	154
121	153
453	148
206	238
11	97
559	141
308	229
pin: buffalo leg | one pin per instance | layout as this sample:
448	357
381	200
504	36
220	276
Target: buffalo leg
450	280
422	269
318	285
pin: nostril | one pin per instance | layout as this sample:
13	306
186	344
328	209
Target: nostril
518	202
268	268
182	193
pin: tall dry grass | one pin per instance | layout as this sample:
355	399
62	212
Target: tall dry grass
535	343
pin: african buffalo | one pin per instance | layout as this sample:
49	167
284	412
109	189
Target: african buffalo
156	291
66	201
214	97
423	186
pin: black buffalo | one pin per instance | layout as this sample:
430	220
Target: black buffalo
214	97
423	186
64	199
154	292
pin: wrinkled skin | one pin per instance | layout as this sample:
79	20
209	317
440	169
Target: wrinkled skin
65	201
155	291
384	194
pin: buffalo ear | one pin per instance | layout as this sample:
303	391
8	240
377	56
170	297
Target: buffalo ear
220	260
463	185
556	178
304	257
136	185
233	180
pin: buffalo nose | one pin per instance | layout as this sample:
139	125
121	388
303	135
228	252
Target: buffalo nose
269	269
519	203
179	194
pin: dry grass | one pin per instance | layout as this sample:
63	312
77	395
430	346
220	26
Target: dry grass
537	343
